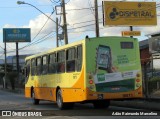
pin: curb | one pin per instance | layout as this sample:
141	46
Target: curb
154	106
17	91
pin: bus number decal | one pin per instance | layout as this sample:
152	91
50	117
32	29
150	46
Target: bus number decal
75	75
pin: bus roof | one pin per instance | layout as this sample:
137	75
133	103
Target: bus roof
56	49
71	45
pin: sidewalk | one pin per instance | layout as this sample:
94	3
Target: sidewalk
17	90
138	104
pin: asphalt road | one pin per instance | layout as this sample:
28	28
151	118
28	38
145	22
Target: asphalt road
17	102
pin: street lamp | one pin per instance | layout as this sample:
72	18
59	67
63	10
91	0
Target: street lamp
64	28
22	2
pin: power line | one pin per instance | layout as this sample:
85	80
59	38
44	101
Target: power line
10	47
1	54
81	26
92	24
38	32
1	47
36	41
42	27
51	5
74	28
67	2
80	17
85	21
88	30
53	1
79	23
1	7
80	31
19	2
44	39
91	8
40	40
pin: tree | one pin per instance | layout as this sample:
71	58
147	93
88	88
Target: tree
11	75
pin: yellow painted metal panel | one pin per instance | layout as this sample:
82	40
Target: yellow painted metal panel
130	13
131	33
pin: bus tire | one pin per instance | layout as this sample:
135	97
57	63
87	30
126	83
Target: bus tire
34	100
61	105
59	99
101	104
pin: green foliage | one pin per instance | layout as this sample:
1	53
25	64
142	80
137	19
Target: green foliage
8	67
11	77
155	79
152	84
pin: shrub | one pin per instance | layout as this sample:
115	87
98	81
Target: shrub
152	84
11	77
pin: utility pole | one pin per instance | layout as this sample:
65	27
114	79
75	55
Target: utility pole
131	29
57	32
17	60
96	18
5	67
64	23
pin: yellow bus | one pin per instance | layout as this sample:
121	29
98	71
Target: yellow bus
94	70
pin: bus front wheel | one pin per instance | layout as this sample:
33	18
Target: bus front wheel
34	100
60	103
101	104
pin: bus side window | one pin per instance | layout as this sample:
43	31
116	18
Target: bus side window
79	58
70	57
27	69
52	63
61	61
38	66
24	71
33	67
44	65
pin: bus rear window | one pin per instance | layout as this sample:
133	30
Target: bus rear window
126	45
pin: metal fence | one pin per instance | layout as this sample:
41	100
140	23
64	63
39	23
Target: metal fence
151	78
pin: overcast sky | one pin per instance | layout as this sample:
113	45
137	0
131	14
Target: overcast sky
80	23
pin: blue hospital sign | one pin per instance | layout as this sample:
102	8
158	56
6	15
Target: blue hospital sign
16	35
